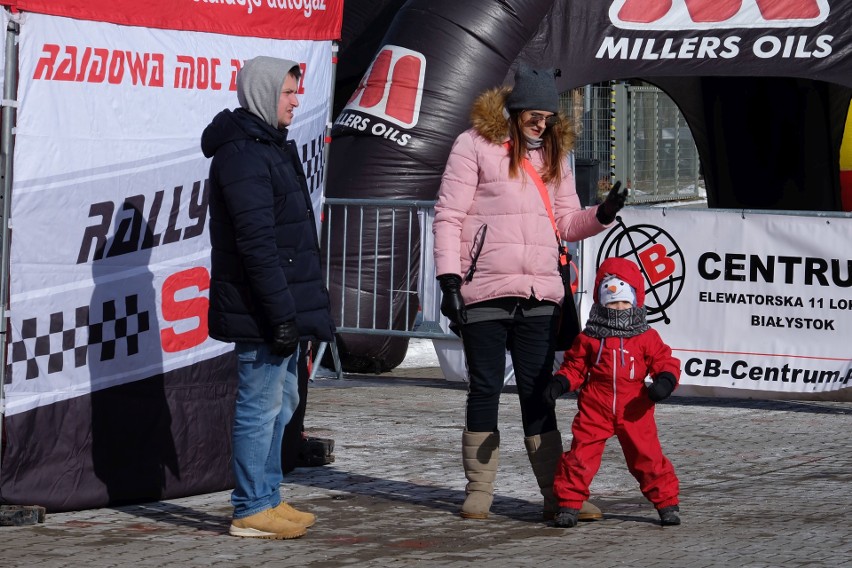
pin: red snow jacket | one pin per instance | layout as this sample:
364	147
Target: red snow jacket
612	370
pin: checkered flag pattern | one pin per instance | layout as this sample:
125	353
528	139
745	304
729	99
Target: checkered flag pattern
312	161
67	341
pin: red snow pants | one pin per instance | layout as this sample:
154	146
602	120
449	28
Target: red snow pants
634	426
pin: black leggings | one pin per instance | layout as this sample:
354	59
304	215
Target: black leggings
530	342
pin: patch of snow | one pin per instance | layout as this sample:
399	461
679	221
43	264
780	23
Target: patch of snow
421	353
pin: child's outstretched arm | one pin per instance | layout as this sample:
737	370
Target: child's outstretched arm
662	387
571	374
664	369
557	386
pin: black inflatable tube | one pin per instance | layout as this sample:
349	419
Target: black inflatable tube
436	57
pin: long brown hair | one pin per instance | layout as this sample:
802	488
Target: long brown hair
556	143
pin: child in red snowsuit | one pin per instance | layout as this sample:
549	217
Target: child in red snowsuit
608	362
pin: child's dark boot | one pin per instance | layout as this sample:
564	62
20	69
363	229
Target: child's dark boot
669	516
566	518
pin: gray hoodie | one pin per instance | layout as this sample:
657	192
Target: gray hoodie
259	85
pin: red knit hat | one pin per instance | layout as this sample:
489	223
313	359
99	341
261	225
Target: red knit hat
625	269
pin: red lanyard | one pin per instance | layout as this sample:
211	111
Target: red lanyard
545	197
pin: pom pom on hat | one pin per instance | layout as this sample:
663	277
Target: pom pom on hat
535	89
615	289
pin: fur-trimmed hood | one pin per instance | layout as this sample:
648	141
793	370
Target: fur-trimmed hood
488	120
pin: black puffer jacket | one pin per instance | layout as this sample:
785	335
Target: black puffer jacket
265	255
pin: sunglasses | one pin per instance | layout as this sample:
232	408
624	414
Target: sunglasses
536	118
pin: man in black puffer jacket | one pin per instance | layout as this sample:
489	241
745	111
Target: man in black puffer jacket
266	291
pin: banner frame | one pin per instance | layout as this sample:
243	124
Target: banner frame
7	148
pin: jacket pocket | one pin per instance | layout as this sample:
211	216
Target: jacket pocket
475	250
632	375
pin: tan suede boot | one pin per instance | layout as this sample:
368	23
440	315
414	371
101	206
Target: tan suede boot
266	524
480	454
589	512
544	452
290	513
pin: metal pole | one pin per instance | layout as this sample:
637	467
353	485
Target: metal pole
7	146
326	150
619	107
328	119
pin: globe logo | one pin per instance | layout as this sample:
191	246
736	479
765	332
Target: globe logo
658	257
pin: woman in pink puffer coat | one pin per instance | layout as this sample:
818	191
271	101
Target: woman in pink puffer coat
496	255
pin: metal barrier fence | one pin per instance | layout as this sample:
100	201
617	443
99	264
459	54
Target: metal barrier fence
390	266
592	109
637	134
663	159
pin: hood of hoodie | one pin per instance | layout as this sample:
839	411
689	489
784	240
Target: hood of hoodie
259	85
239	124
625	269
488	119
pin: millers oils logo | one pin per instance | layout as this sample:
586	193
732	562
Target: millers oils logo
392	88
716	14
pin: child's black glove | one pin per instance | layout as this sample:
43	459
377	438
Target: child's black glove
614	202
662	387
557	386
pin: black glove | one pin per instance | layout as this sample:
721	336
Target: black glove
285	339
557	386
452	304
612	205
662	387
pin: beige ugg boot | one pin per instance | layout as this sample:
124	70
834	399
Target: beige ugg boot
589	512
480	454
544	452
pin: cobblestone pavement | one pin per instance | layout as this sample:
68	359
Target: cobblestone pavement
764	484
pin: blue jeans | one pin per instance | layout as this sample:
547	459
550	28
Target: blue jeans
267	397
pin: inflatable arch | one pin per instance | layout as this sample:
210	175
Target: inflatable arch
765	87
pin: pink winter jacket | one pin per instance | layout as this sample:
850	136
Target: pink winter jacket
519	256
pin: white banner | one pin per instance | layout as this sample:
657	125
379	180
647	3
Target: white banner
754	305
110	252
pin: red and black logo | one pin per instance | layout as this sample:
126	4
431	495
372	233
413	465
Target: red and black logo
659	258
716	14
392	88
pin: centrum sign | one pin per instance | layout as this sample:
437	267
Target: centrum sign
747	301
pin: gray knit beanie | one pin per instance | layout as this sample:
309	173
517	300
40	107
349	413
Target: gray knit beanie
535	89
259	85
